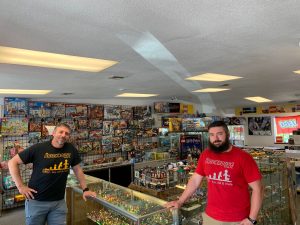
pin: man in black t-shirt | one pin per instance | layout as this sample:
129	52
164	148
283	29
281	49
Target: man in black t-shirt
46	188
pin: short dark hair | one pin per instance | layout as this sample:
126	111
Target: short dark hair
219	123
63	125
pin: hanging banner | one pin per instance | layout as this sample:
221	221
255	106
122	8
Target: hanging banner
268	109
187	108
287	124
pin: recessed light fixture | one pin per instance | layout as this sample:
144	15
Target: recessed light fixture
136	95
52	60
258	99
297	71
24	92
224	85
206	90
213	77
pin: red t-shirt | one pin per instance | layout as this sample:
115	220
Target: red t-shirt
228	175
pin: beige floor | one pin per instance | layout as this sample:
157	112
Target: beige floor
16	216
13	217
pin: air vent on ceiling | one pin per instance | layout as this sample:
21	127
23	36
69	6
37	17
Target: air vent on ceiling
224	85
113	77
68	93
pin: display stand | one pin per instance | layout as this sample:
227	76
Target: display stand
118	205
293	153
276	208
292	190
10	197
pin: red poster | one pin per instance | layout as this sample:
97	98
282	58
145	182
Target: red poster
287	124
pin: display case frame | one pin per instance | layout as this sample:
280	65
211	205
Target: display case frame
78	209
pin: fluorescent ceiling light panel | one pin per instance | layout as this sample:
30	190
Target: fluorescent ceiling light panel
297	71
24	92
213	77
206	90
136	95
51	60
258	99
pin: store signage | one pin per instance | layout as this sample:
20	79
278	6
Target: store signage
174	107
166	107
249	110
260	126
287	124
268	109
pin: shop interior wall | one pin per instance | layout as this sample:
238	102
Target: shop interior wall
114	101
253	140
250	140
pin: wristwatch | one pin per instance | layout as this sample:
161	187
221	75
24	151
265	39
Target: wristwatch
252	220
86	189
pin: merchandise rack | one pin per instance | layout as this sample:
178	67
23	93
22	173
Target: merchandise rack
8	151
276	208
95	158
9	194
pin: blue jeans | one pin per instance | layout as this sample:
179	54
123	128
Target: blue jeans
40	212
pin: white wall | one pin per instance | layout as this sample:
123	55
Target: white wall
252	140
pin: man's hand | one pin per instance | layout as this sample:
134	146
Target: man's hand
173	204
28	192
245	222
88	194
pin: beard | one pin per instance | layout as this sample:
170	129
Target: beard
60	141
221	148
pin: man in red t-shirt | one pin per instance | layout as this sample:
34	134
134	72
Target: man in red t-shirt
229	172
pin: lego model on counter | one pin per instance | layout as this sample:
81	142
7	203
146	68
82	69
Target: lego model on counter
165	176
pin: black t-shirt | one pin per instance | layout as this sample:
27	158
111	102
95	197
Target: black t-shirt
50	169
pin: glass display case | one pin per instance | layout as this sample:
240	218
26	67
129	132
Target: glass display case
115	204
276	208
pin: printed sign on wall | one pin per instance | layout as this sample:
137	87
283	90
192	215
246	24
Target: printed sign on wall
260	126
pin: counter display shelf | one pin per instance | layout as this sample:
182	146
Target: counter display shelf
276	208
124	206
73	182
115	204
